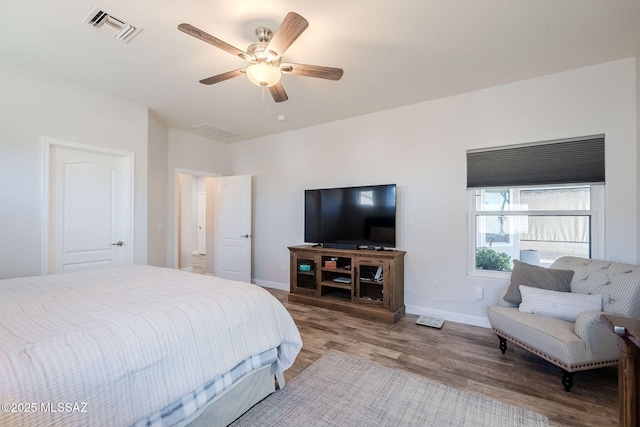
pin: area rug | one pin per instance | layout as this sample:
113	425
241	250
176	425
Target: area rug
343	390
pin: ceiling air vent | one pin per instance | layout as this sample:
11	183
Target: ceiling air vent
216	130
107	23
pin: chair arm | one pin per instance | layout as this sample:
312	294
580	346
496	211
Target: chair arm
597	336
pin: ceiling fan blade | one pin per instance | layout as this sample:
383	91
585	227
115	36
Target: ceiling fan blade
312	71
222	77
278	93
290	29
208	38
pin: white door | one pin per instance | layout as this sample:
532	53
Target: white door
232	238
89	208
202	223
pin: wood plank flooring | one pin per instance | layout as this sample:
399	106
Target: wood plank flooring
462	356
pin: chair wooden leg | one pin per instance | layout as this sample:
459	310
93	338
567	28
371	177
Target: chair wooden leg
567	380
503	344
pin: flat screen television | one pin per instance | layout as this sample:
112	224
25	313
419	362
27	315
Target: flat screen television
351	216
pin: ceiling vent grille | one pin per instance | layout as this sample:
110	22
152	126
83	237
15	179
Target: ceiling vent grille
216	130
107	23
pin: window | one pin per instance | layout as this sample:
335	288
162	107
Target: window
535	202
532	224
366	198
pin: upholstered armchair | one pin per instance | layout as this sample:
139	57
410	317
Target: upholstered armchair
559	319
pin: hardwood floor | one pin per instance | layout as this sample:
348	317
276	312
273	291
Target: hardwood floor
462	356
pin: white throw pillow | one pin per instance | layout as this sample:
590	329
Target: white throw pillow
561	305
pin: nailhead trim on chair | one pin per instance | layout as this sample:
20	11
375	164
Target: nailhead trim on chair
555	361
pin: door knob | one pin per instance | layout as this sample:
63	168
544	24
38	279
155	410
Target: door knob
246	236
120	243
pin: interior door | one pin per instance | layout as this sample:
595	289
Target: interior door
232	238
202	223
90	209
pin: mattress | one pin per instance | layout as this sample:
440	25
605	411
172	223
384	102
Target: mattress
117	346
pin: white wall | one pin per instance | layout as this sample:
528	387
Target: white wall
185	223
158	203
422	148
32	107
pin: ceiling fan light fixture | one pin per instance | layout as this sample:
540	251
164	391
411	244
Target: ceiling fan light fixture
265	57
263	74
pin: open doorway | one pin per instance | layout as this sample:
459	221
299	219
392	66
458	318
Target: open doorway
195	219
227	212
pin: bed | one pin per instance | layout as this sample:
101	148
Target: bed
138	346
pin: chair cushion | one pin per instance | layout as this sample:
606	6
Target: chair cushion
561	305
553	339
536	277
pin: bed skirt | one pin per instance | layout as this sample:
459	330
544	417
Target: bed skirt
236	400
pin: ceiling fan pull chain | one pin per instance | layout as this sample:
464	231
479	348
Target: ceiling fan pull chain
263	103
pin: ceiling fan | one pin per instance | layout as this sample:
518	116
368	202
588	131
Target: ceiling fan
265	56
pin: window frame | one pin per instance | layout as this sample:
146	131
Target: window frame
596	230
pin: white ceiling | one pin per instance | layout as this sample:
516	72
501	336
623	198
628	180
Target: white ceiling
393	53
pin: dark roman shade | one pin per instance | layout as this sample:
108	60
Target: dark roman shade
574	161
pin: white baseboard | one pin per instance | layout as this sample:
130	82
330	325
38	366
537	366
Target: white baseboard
447	315
420	311
272	285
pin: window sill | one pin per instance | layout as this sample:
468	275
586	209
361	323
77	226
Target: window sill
505	275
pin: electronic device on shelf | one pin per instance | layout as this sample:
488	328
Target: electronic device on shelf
342	279
351	217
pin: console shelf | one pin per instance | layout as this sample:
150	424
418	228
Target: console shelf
365	283
336	285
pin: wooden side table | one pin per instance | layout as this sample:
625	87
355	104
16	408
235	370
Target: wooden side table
628	331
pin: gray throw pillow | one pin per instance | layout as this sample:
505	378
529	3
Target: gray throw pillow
536	277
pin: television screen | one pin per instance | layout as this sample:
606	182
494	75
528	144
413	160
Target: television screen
364	216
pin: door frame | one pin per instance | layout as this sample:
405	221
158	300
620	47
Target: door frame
49	144
176	206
